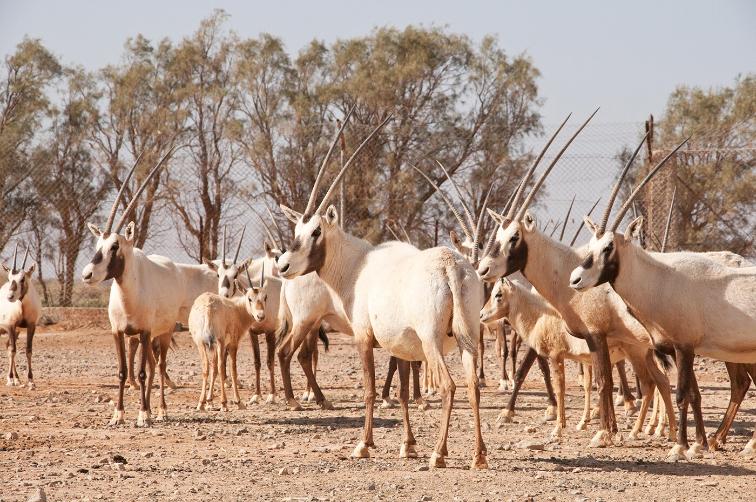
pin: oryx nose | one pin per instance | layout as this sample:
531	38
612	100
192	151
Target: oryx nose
485	271
284	268
575	281
87	275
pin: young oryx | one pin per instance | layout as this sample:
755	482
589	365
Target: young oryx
684	299
217	323
146	296
384	291
520	246
19	308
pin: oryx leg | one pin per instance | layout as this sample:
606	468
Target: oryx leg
739	383
407	448
118	337
502	352
286	348
437	365
664	391
133	346
205	374
587	388
222	375
639	363
560	389
514	347
232	353
313	342
164	345
386	392
364	343
254	340
417	395
624	395
687	393
508	412
145	351
602	368
305	360
473	395
270	345
481	351
30	329
543	365
12	374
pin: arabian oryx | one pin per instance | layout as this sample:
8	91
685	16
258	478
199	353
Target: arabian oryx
469	248
520	246
684	299
146	296
398	314
20	307
217	324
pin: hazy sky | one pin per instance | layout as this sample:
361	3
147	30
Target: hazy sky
626	57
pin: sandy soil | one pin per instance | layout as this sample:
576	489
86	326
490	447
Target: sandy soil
55	437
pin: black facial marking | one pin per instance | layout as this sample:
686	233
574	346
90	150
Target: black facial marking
97	258
316	258
588	262
225	283
116	265
517	257
609	271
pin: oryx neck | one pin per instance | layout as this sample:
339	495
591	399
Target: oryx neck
548	267
526	309
345	257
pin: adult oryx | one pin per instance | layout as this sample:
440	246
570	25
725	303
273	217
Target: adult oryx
398	314
520	246
684	299
146	296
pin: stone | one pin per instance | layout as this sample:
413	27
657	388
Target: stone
11	436
38	495
422	468
284	471
530	444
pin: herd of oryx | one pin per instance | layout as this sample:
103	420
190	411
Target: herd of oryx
600	304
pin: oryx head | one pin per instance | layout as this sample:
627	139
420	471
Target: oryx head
507	251
256	295
315	226
19	278
602	261
113	249
498	307
228	271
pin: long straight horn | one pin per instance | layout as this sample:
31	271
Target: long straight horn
468	213
267	230
111	216
669	222
223	247
566	218
582	223
476	241
278	243
529	172
135	197
616	189
15	256
26	250
492	235
540	181
626	206
262	274
321	171
348	163
238	246
463	226
249	279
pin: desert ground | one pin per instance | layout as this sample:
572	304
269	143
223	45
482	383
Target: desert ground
56	437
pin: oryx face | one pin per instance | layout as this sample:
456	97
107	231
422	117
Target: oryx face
18	282
509	252
602	261
256	299
499	305
464	247
111	252
308	250
227	276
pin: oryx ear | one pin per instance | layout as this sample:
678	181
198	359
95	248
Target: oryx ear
244	265
456	242
634	228
31	269
212	266
270	250
95	231
130	231
589	223
499	219
332	215
529	221
293	216
239	286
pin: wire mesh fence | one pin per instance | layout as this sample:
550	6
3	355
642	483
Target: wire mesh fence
190	206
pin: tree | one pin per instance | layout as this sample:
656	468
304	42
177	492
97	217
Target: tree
66	180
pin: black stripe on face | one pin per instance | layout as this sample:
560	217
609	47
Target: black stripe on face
609	270
97	258
517	257
225	282
588	262
116	265
316	257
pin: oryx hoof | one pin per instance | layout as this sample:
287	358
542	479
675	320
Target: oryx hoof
550	413
676	454
270	399
169	383
505	417
240	405
306	396
482	383
582	425
361	451
162	415
133	385
479	461
630	409
293	405
601	439
503	386
224	407
388	403
634	435
649	430
256	398
30	385
695	451
556	433
144	419
422	404
619	400
326	405
595	413
714	444
436	461
407	451
200	406
12	382
750	449
511	384
117	418
660	432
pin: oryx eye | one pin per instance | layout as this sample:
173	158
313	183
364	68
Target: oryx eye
608	249
514	238
316	233
498	296
115	247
